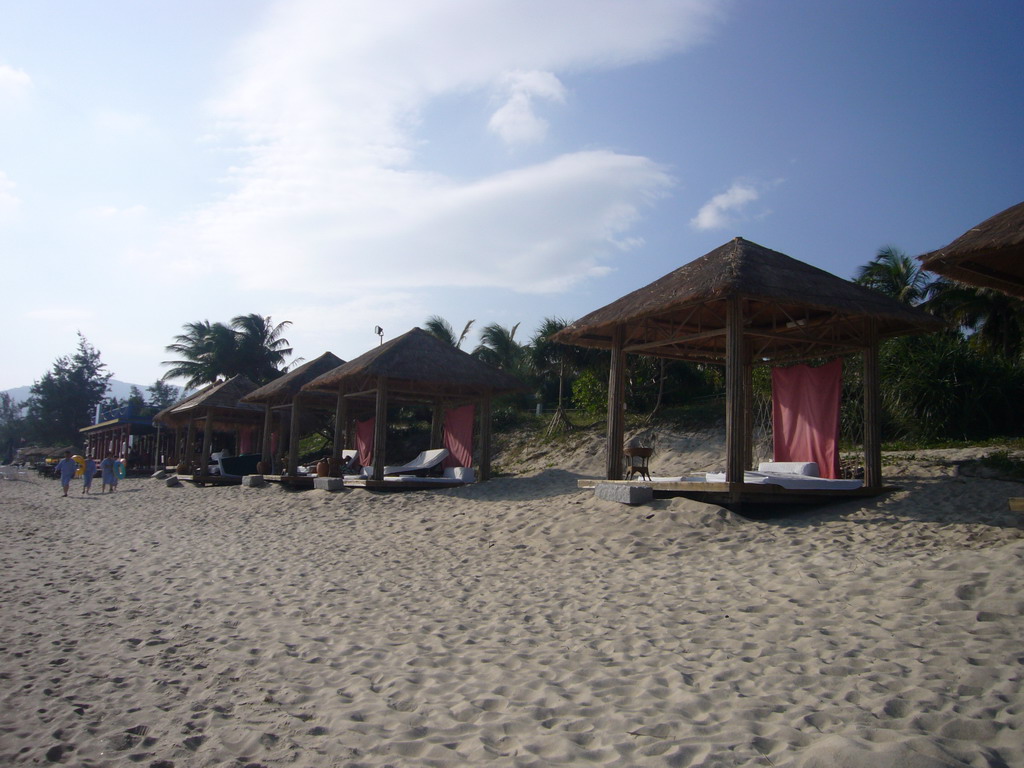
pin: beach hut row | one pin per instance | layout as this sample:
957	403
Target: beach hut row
413	369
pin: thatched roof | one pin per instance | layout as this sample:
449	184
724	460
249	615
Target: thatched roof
418	366
791	310
990	255
282	391
224	398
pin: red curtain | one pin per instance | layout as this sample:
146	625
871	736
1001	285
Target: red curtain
364	441
805	415
458	436
246	439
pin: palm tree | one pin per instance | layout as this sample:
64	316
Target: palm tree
252	345
996	319
441	329
895	274
498	347
208	350
549	357
260	346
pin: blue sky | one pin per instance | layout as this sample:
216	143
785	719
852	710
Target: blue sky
344	165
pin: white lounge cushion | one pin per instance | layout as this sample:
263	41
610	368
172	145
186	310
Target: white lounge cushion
426	460
465	474
807	468
787	480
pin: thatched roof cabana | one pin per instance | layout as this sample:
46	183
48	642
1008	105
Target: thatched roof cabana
222	400
989	255
417	368
282	390
739	305
285	394
216	406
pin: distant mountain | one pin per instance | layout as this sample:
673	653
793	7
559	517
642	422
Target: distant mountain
119	389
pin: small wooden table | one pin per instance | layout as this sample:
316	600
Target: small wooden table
634	467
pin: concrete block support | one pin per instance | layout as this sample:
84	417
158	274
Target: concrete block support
624	494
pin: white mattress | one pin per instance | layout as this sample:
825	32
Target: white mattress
788	480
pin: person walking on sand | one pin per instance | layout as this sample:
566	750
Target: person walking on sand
66	468
88	474
109	473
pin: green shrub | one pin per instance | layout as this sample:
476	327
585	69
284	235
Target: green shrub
590	394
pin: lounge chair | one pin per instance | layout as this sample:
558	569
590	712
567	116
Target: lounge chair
238	466
421	465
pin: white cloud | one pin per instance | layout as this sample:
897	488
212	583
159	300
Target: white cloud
321	106
515	121
14	83
715	214
536	229
10	204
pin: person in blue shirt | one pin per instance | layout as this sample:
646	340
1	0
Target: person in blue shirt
66	468
109	473
88	474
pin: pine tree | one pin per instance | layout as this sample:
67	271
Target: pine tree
65	398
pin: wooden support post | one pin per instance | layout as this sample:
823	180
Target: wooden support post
437	425
616	405
156	450
485	439
293	436
268	428
189	456
283	432
380	428
872	412
748	411
204	458
735	416
340	424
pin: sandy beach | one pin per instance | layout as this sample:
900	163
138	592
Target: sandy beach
518	622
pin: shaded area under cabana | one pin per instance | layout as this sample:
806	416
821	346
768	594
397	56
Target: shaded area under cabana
415	369
742	305
295	412
216	408
989	255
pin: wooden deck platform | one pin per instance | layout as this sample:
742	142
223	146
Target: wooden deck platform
292	481
410	483
735	495
202	480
